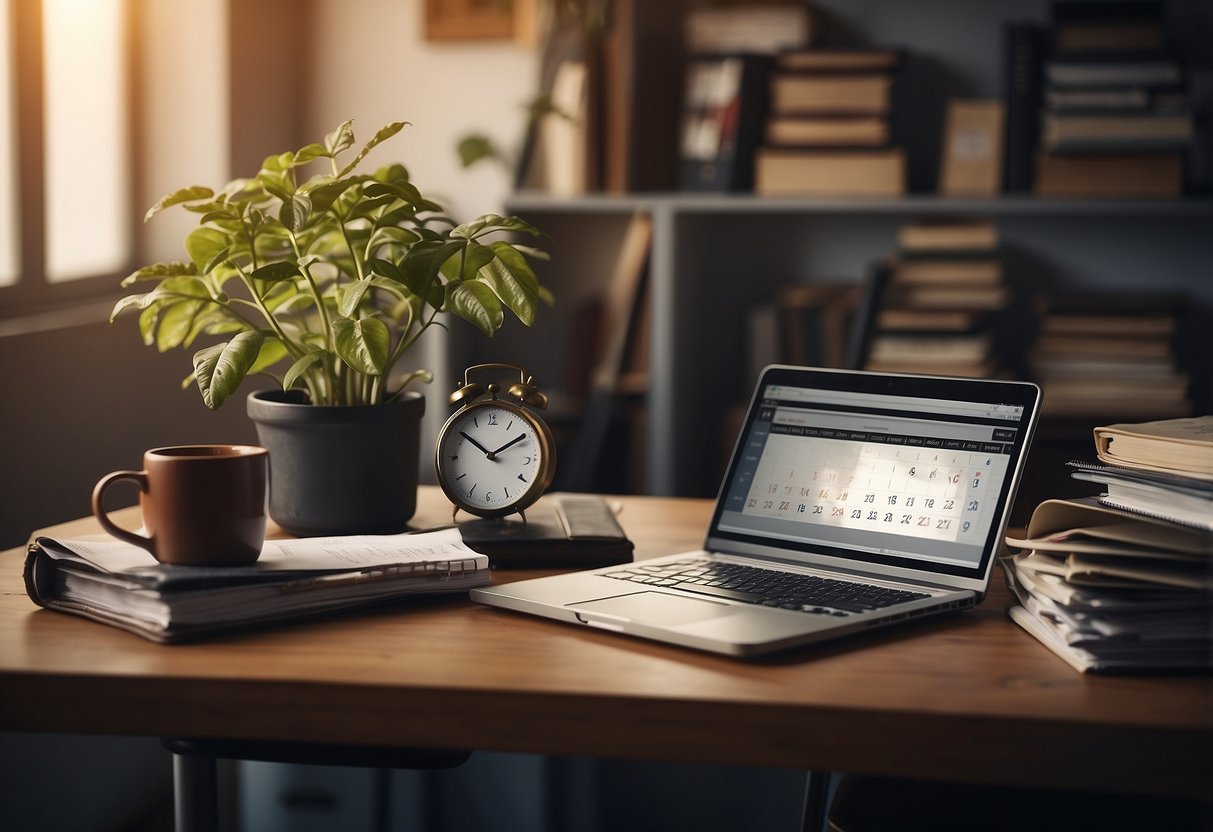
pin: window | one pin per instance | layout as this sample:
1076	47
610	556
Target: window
66	179
86	136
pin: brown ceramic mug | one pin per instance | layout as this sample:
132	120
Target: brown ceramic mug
203	505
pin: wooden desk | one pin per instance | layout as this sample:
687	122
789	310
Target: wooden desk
966	698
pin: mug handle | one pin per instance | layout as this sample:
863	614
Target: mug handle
139	478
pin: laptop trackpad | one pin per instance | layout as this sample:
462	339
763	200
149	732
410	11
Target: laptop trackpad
656	608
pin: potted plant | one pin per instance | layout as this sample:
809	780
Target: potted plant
324	283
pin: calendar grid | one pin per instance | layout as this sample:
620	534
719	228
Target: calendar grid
924	487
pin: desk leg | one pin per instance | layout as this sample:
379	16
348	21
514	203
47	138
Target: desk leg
816	793
195	793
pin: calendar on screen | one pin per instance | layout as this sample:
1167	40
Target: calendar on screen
902	478
909	489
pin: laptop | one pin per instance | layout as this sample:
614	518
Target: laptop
852	501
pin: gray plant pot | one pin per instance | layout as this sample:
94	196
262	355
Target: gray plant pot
339	470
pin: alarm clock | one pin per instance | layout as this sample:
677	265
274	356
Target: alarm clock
495	455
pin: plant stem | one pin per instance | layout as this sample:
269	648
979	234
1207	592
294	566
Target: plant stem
290	345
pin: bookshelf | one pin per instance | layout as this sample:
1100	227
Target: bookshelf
714	256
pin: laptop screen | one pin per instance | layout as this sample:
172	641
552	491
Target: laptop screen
904	471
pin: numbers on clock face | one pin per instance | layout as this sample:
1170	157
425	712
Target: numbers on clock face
490	456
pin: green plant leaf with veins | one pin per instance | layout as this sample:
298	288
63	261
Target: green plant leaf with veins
220	369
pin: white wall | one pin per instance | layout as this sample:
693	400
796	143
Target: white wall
185	136
370	62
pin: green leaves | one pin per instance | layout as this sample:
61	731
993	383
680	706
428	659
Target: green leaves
203	244
472	149
476	303
220	369
192	194
383	135
333	275
494	222
363	344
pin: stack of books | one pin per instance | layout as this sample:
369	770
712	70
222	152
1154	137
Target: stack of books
1109	354
827	132
1123	582
1116	119
944	290
115	583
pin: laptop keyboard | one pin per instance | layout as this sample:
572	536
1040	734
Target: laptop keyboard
769	587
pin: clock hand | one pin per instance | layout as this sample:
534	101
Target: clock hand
513	441
486	451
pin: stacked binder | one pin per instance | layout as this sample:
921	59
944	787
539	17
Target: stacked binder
1123	582
121	585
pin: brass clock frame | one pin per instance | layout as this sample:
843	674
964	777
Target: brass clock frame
473	396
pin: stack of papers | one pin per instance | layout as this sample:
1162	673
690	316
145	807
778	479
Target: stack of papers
1114	591
122	585
1123	582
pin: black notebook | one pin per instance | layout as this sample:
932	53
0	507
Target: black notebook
564	531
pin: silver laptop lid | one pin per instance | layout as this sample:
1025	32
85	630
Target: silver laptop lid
903	476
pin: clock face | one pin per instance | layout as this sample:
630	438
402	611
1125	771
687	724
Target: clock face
492	459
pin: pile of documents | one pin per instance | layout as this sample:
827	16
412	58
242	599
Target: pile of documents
116	583
1123	582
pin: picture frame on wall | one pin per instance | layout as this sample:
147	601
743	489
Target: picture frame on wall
464	20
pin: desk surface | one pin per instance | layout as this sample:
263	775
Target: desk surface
967	697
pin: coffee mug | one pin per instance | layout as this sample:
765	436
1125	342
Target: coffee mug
203	505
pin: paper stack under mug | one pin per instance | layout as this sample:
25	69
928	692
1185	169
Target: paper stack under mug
1123	582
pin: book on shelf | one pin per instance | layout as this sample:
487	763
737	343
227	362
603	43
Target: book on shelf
1148	132
641	49
838	60
561	141
1102	27
1117	120
1128	100
1118	176
122	585
827	131
1113	591
1105	345
1100	354
888	348
1144	322
835	172
1023	48
1104	368
808	324
722	124
753	28
840	93
621	368
965	235
973	148
929	320
816	321
986	298
928	269
1183	446
928	366
941	301
1069	71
